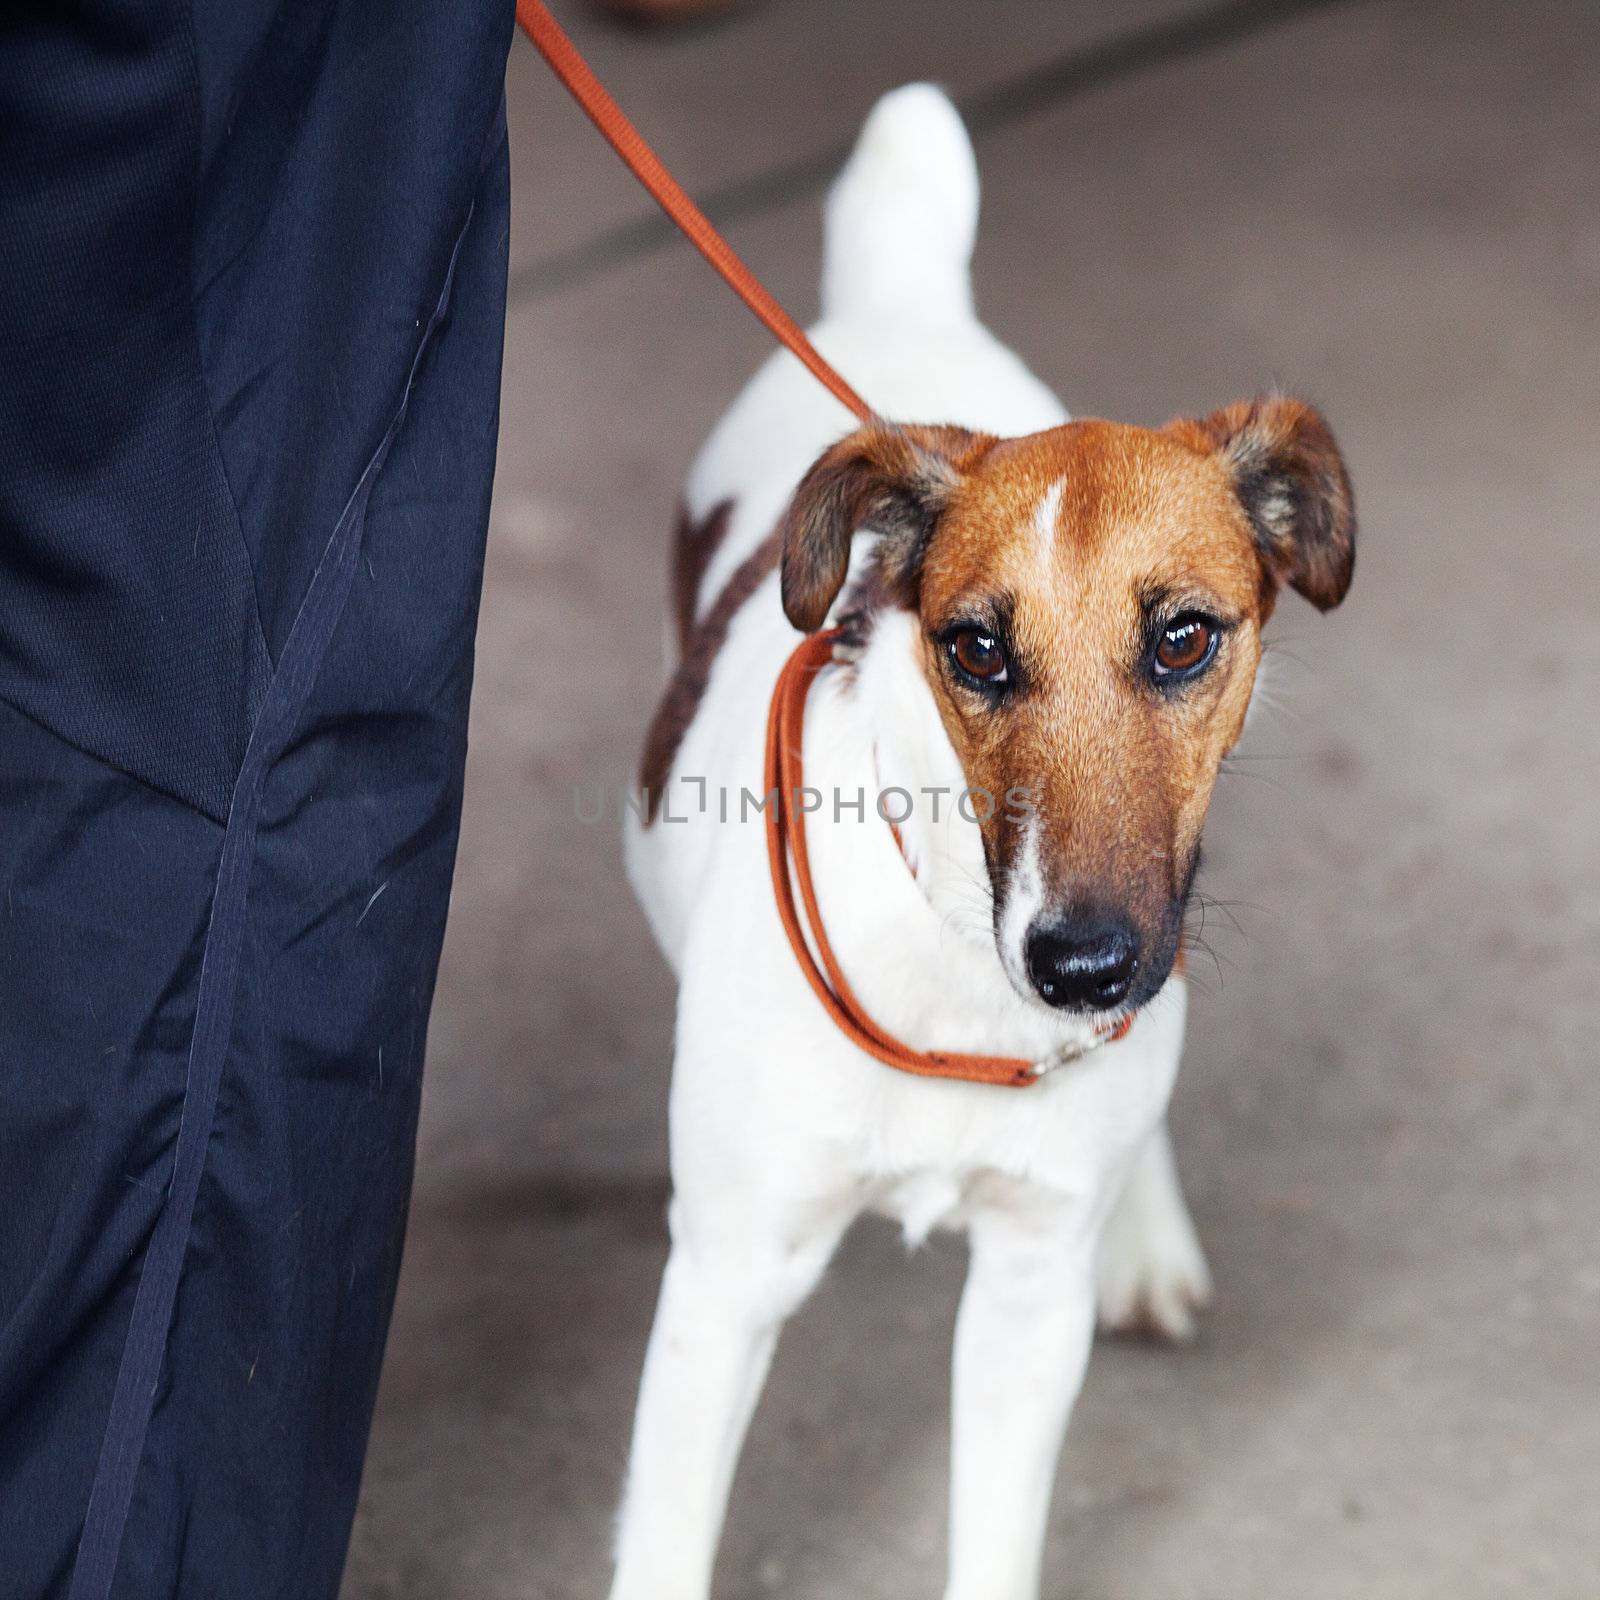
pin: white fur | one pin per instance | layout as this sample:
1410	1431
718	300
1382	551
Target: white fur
1045	516
782	1131
1024	900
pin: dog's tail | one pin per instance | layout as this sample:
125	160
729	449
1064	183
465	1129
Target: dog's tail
902	217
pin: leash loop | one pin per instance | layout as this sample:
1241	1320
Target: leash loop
782	780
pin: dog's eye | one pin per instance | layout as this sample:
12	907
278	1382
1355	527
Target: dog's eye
1186	645
979	656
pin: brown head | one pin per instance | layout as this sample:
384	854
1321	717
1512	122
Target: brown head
1088	605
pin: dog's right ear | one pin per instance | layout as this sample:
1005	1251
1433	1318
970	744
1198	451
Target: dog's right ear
895	480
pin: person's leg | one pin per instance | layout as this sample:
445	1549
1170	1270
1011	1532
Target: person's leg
252	269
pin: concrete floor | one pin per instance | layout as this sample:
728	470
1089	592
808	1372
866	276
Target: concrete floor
1388	1111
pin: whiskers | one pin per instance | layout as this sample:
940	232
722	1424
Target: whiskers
972	915
1206	910
1269	702
1248	764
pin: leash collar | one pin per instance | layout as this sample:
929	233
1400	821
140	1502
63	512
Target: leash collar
783	779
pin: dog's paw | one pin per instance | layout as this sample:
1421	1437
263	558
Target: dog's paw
1153	1276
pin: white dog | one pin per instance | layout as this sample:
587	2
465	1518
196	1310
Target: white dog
1064	614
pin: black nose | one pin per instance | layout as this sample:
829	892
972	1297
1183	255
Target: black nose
1082	965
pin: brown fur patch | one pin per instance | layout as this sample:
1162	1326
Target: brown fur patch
1120	773
693	546
681	699
895	479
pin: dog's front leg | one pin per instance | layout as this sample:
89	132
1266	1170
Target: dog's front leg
1022	1341
730	1283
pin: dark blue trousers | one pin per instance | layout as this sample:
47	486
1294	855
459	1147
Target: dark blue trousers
252	278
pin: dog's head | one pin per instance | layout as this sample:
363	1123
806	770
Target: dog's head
1085	606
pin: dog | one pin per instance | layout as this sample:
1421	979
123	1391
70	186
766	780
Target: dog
1062	616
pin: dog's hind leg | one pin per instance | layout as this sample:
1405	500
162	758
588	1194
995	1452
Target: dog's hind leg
1152	1271
1022	1342
732	1279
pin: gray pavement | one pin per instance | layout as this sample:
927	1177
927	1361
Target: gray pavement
1388	1113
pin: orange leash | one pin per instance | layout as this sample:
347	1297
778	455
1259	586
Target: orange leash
783	780
786	833
535	20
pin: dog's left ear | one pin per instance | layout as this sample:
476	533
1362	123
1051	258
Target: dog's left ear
895	480
1291	480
